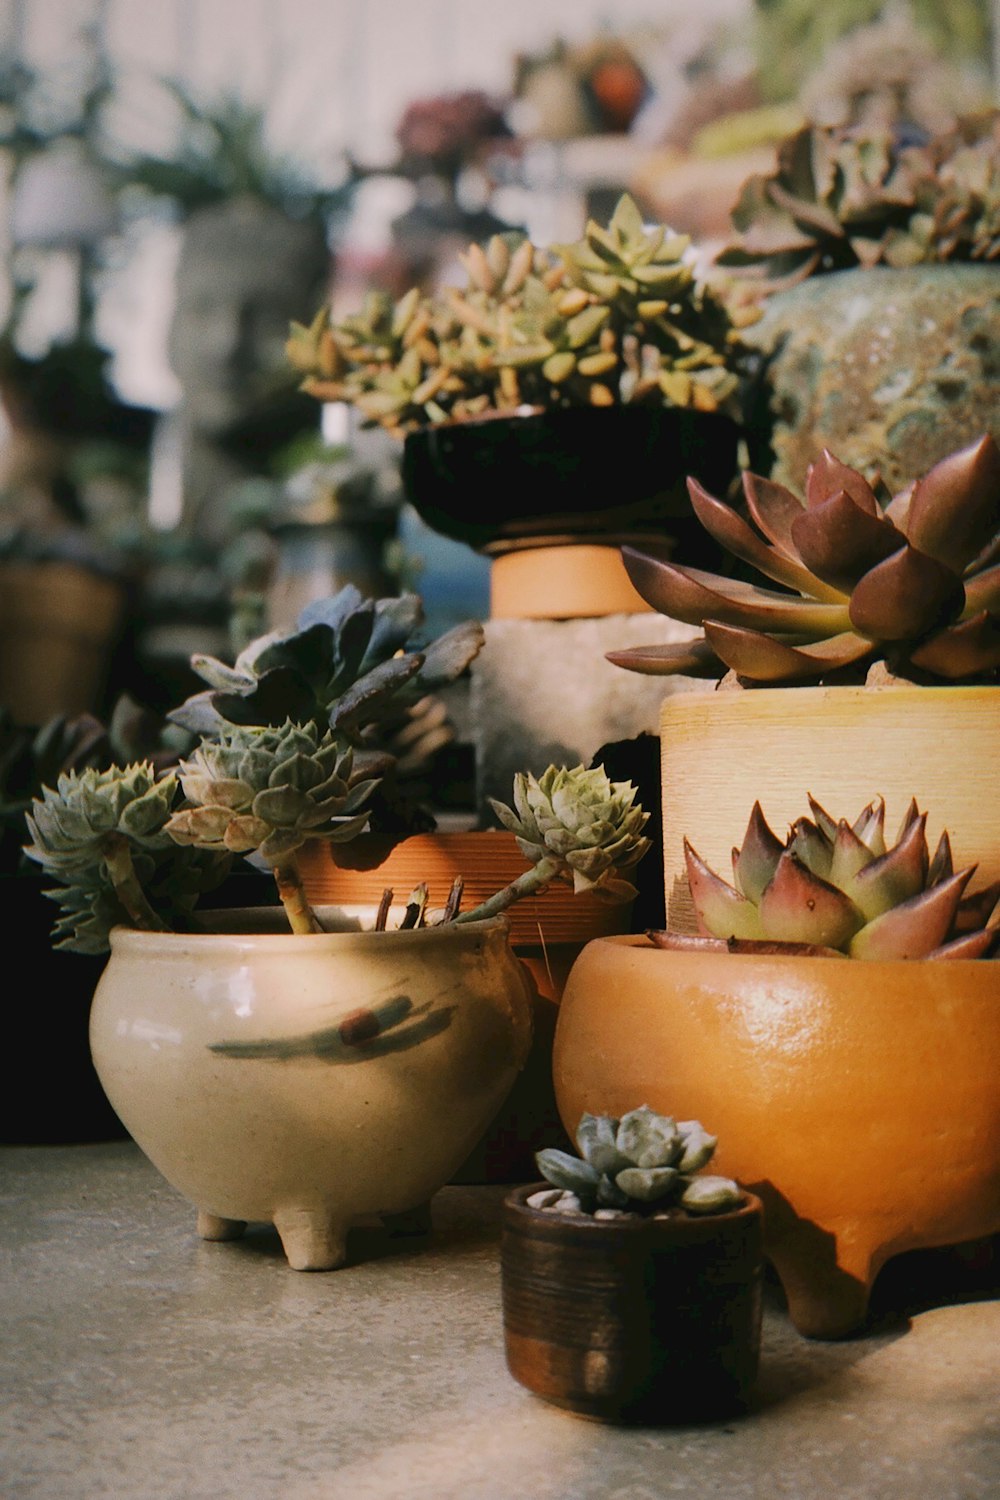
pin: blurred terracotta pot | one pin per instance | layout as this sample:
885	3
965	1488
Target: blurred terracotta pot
633	1319
858	1099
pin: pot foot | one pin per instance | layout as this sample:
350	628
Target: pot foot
212	1227
311	1240
825	1301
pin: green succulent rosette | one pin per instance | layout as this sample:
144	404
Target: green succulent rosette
835	888
266	792
642	1163
101	834
582	823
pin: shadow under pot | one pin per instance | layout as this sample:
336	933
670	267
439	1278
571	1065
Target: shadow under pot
652	1320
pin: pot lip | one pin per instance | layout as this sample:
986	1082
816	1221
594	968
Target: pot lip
793	960
577	413
515	1205
237	937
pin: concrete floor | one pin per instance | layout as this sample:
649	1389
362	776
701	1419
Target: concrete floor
140	1363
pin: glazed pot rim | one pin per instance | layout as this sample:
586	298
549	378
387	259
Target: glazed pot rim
695	1225
791	960
261	939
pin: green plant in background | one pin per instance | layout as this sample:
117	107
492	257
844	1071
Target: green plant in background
841	197
643	1163
223	153
617	317
350	665
911	581
834	888
793	35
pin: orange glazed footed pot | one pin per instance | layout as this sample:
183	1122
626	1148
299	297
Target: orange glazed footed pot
859	1100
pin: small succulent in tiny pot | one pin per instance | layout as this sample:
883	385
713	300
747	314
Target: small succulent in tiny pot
632	1282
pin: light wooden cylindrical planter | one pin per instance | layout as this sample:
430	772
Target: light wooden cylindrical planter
562	583
723	751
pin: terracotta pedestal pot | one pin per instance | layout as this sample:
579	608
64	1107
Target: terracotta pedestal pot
633	1319
307	1081
858	1099
562	582
723	751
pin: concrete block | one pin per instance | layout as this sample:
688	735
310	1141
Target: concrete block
543	692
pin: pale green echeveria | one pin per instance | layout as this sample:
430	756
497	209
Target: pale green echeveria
641	1160
590	826
266	792
99	828
70	824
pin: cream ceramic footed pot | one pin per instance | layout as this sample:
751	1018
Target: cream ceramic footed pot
308	1081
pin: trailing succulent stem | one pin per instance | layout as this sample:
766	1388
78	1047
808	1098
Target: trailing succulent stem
834	889
644	1163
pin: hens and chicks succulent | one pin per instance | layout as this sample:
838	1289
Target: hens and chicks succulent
296	745
841	197
834	888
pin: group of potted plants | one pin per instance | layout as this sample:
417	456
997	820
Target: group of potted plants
528	384
214	1033
876	658
816	1013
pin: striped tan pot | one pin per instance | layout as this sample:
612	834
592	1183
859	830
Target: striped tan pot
722	751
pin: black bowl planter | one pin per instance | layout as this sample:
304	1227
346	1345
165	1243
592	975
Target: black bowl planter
573	474
646	1320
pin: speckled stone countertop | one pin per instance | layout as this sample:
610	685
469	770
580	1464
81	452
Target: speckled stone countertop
140	1363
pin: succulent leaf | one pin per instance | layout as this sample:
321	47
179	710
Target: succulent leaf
648	1139
800	907
721	910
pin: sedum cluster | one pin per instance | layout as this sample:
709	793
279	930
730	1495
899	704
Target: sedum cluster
834	888
911	580
616	317
643	1163
843	196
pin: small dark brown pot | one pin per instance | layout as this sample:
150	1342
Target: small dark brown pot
633	1319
